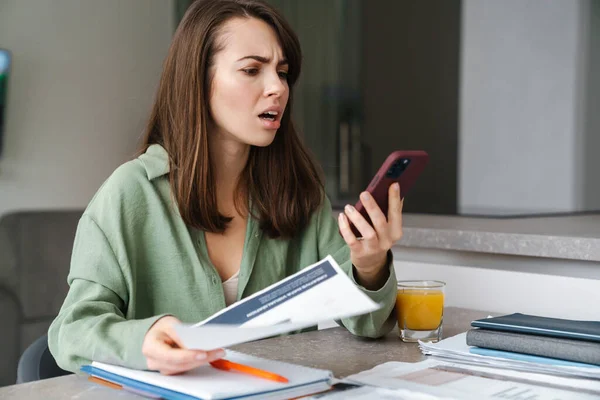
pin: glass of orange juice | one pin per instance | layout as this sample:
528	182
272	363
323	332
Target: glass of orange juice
420	310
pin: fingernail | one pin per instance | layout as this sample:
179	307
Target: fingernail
220	354
341	218
365	196
396	186
349	208
201	356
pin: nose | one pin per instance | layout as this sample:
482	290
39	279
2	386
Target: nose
274	85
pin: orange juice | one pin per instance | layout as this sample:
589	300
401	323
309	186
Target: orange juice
418	309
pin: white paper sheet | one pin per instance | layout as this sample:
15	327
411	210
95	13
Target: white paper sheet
320	292
458	381
370	393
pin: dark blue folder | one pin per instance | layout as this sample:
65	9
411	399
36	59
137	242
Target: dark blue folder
554	327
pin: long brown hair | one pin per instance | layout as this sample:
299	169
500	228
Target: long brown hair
284	184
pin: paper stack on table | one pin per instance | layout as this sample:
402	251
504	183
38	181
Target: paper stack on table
455	349
537	339
445	380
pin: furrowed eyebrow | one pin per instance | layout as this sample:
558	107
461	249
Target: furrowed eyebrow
264	60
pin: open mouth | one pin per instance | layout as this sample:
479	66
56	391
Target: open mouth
269	116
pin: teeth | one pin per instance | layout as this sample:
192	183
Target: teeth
272	112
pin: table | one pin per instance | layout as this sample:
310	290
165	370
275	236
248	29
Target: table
334	349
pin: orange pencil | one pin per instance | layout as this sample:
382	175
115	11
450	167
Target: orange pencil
227	365
104	382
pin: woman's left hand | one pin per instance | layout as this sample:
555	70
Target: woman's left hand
369	254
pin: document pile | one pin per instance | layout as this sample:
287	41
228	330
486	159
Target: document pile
526	343
456	370
538	339
434	379
455	349
207	382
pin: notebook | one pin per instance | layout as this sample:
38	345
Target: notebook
207	382
583	330
581	351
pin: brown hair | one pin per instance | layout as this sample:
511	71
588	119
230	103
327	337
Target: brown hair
282	181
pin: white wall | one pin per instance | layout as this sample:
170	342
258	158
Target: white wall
522	141
505	292
83	78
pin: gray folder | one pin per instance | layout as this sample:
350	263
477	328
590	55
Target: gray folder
565	349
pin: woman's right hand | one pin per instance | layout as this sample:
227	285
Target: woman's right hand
165	353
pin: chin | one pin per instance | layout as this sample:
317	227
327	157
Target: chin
263	139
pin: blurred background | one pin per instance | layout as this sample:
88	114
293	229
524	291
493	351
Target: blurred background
503	94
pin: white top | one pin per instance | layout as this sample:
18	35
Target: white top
230	289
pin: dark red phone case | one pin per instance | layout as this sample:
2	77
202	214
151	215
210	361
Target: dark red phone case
381	182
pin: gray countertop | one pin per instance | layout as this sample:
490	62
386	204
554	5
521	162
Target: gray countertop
333	349
575	237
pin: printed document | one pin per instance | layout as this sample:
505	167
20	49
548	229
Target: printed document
318	293
447	380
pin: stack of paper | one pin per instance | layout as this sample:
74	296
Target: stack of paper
444	380
455	349
207	382
537	339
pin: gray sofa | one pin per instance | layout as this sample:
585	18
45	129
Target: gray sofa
35	252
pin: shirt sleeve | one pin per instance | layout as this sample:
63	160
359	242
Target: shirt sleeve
91	325
376	323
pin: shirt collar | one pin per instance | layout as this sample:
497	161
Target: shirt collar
155	161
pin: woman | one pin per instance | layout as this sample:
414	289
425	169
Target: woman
222	201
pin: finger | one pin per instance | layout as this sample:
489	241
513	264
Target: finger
365	229
167	366
377	216
170	369
172	334
213	355
180	369
395	212
173	338
164	368
210	357
204	356
347	233
160	350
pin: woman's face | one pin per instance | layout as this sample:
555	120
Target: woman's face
249	88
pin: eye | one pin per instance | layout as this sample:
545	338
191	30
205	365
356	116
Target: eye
250	71
283	74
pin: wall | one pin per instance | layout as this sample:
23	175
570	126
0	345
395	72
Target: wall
524	143
410	91
504	284
507	284
84	74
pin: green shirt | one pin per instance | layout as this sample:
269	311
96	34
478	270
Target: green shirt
134	260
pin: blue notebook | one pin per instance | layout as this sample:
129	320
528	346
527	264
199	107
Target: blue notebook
555	327
207	382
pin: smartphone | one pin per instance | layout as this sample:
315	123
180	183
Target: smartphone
401	166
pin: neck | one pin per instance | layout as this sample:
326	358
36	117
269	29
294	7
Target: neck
229	158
